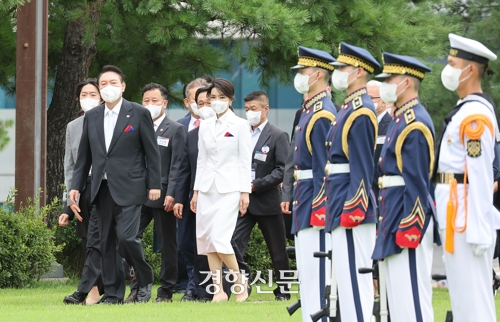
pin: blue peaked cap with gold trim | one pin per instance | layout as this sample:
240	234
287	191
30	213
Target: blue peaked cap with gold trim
309	57
357	57
402	65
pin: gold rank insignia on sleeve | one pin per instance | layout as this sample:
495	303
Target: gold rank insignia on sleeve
318	107
357	103
409	116
474	148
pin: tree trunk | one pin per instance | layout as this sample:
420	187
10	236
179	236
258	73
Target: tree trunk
74	62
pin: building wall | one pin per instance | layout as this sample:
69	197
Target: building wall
7	156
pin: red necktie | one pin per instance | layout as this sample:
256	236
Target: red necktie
196	123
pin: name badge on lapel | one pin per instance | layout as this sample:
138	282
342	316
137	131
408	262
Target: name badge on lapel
163	141
380	139
261	156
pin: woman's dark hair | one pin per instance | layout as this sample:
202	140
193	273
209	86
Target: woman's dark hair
224	86
80	86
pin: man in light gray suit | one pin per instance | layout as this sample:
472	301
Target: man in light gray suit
87	92
270	150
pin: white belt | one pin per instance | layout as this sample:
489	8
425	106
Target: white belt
337	168
390	181
302	174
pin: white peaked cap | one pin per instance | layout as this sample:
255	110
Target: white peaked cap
470	49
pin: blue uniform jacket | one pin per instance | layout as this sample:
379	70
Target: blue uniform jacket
310	135
408	151
352	140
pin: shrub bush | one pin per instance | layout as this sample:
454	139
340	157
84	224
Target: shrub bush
26	244
71	256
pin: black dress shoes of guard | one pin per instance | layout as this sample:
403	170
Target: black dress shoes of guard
144	293
189	296
75	298
282	297
132	298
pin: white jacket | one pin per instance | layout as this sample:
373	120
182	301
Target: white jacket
224	155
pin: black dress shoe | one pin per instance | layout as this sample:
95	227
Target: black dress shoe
75	298
132	298
282	297
109	301
160	299
144	293
189	296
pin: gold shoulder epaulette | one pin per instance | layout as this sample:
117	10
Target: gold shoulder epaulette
318	106
357	103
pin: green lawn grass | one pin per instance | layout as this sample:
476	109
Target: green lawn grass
44	303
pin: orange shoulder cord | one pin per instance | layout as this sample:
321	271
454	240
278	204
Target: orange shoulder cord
452	208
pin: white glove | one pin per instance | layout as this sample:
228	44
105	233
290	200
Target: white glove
479	249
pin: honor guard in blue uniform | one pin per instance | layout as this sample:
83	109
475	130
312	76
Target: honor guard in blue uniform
351	206
407	228
309	158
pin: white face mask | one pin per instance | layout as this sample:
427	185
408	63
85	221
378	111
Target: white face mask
450	77
254	117
206	112
111	93
88	103
194	108
388	92
340	79
301	83
155	110
219	106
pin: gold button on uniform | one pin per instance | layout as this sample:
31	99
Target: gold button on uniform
380	198
380	218
380	159
295	148
388	139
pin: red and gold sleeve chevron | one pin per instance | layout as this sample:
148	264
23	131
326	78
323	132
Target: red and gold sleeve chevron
318	212
411	228
355	209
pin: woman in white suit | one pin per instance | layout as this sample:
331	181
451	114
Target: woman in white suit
222	185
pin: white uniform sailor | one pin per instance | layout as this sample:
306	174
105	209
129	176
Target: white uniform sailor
464	190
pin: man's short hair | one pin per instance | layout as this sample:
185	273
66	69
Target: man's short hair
153	86
257	96
199	91
114	69
203	81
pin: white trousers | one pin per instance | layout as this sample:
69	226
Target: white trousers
408	281
312	270
352	249
470	281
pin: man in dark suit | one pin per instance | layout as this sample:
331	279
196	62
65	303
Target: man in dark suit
119	142
384	118
268	163
171	137
186	235
184	193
